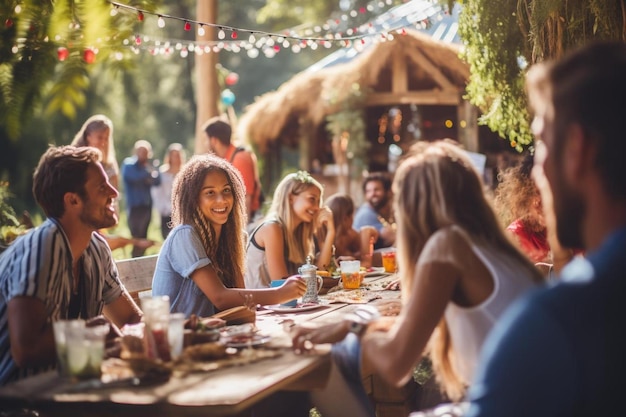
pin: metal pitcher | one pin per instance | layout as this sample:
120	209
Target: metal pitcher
308	271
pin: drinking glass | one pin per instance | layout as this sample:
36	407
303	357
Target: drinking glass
350	274
61	329
389	260
176	334
85	350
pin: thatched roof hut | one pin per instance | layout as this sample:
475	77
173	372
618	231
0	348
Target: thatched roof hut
411	68
413	75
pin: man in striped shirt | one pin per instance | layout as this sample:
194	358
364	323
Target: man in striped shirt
62	269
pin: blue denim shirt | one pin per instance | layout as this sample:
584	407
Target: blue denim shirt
138	180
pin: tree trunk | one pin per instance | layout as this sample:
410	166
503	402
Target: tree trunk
207	87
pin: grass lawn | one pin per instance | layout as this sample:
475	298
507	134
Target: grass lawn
154	233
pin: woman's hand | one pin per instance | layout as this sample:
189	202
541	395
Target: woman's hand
294	287
325	218
304	338
393	285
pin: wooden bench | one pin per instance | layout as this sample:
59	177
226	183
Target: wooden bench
136	275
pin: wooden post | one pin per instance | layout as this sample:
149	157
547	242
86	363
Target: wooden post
207	92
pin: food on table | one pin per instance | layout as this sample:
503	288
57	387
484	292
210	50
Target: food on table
358	296
205	351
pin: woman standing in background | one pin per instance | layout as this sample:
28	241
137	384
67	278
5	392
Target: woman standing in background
97	131
162	193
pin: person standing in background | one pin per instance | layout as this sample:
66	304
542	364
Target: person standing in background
219	135
162	193
139	176
97	131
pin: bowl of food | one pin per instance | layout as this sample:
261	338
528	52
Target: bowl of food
202	330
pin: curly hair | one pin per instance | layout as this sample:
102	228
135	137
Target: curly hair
516	194
227	254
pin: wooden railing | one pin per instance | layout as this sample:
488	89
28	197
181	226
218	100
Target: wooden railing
136	275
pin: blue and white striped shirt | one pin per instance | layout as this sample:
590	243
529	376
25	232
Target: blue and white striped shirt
39	264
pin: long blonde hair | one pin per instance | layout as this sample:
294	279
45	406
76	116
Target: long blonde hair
97	123
298	239
228	254
437	186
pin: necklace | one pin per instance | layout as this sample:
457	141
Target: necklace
391	223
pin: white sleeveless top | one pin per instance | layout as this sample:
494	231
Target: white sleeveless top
469	326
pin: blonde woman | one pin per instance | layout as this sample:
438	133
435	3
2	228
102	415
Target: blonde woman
97	131
200	266
282	243
458	270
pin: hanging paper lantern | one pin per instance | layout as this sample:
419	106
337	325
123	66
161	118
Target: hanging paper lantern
228	97
232	78
62	53
89	56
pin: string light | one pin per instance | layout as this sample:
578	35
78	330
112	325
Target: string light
254	42
233	30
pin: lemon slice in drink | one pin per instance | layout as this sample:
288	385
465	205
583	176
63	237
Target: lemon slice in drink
77	358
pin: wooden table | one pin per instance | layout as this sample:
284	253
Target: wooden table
227	391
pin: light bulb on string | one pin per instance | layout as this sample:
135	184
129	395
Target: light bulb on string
114	11
140	16
252	38
221	34
161	22
201	31
187	26
233	35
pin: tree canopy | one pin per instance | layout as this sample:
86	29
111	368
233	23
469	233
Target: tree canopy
500	42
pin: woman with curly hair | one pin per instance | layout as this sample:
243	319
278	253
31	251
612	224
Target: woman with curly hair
200	266
459	272
518	204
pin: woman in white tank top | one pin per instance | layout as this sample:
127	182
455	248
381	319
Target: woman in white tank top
458	272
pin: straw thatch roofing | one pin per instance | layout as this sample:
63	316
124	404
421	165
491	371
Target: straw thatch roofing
411	68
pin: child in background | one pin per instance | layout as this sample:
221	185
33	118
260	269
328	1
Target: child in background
349	243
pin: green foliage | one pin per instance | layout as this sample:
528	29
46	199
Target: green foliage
350	121
494	46
501	40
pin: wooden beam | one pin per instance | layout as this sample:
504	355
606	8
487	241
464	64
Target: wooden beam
399	77
436	97
418	57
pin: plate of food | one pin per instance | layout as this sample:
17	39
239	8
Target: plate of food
375	271
243	340
278	308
